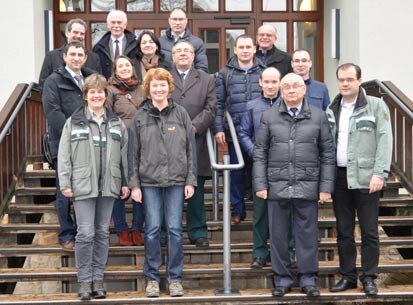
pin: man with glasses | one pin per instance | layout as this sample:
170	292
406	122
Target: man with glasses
195	91
268	53
361	126
317	92
178	31
294	168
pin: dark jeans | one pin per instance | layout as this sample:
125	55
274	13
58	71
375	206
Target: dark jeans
346	204
119	216
238	183
67	222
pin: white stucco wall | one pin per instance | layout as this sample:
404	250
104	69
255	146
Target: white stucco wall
21	25
376	34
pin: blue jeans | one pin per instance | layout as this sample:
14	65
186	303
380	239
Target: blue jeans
67	222
92	240
159	203
119	216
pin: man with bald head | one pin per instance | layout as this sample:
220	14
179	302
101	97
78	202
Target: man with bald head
294	169
117	41
270	83
268	53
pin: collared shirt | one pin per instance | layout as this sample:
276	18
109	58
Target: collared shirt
179	36
298	110
342	139
73	74
186	72
120	43
97	118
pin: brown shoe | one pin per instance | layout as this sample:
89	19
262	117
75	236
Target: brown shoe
137	238
125	239
68	245
235	220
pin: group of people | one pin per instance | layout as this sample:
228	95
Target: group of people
129	119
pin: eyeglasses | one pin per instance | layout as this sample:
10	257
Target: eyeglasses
294	86
347	80
304	60
177	19
182	51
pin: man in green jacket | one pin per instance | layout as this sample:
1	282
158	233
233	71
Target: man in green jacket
361	126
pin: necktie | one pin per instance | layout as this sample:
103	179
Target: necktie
78	79
294	111
117	51
182	77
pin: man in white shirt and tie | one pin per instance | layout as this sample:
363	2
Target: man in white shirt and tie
117	41
62	95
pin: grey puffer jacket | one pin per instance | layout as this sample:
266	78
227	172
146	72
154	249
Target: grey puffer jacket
294	158
162	147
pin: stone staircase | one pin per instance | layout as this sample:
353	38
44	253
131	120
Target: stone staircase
35	270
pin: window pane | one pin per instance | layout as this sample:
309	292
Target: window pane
168	5
274	5
98	30
72	6
139	31
139	5
211	43
305	5
305	36
238	5
206	5
62	26
103	5
281	28
231	35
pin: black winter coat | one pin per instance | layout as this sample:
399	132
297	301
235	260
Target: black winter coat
61	97
277	59
294	158
102	49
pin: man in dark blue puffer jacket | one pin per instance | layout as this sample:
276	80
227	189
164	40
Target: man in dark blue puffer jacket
236	84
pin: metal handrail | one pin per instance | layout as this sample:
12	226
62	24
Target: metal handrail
10	121
386	90
226	168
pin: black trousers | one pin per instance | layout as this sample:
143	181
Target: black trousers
347	202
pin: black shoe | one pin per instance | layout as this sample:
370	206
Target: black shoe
201	242
98	290
311	291
258	263
85	291
343	285
369	287
280	291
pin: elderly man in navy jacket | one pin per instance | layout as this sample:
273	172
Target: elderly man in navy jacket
294	167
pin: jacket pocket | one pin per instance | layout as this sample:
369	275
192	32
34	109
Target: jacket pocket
274	174
365	170
116	180
81	181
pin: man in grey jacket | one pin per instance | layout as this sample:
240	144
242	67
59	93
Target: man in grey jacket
178	31
362	128
294	167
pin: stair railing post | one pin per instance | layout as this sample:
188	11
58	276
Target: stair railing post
215	192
